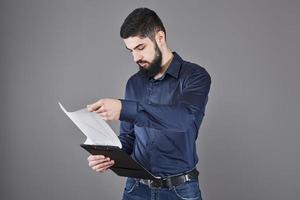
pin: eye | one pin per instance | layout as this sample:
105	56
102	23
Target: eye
141	47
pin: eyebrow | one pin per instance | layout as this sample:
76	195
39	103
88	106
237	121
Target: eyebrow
135	46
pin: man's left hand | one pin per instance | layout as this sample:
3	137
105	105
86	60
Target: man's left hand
108	109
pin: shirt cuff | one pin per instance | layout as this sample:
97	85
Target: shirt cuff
129	110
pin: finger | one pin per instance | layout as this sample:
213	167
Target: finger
104	116
95	157
89	108
104	168
100	110
97	162
101	160
95	105
103	165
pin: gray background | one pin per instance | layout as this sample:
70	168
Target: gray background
70	50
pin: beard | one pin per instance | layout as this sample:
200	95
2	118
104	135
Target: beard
154	67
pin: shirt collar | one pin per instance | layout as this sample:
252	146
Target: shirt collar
173	69
174	66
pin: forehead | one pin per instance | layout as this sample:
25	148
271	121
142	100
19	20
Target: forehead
132	42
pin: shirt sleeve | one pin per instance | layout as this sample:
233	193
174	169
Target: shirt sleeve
187	112
127	135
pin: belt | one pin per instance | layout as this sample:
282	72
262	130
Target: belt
171	181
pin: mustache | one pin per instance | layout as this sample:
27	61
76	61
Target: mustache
141	62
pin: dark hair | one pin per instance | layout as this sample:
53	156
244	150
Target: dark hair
141	22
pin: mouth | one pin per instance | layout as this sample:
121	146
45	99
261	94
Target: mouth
142	64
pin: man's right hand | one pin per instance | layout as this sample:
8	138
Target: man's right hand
100	163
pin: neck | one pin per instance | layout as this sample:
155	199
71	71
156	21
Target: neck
167	55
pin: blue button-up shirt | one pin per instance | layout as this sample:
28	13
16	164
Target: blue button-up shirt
160	118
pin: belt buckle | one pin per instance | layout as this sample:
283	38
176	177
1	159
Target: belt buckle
187	178
168	182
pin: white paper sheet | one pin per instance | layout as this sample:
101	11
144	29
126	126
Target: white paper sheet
93	127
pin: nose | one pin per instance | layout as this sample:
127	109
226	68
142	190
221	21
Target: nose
136	56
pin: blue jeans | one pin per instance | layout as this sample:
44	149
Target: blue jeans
135	190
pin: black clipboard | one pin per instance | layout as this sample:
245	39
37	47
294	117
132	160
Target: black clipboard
124	164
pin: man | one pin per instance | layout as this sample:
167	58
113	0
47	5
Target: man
161	114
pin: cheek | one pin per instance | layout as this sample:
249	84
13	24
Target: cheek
148	55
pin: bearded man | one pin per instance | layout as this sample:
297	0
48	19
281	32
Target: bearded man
160	115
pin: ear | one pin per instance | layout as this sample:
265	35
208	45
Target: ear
160	38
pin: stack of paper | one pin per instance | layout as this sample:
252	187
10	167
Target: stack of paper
97	131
